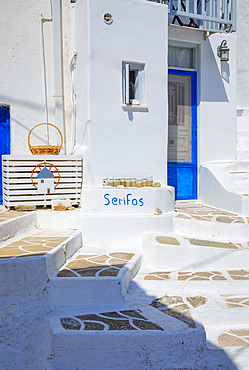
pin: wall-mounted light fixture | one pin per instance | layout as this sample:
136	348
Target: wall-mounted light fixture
223	51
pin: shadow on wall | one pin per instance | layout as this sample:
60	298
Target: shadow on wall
213	89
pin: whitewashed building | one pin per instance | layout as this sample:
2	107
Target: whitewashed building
73	64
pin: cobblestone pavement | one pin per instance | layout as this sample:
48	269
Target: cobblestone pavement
36	244
95	265
200	212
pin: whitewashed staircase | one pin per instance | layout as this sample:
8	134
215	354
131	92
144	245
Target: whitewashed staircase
118	321
243	135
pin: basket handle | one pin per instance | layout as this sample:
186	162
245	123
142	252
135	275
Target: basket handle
45	123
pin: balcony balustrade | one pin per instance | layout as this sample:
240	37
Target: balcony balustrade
209	15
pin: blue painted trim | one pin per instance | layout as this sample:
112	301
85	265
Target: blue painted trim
5	140
192	164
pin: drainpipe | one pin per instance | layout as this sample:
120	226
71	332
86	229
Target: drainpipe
58	72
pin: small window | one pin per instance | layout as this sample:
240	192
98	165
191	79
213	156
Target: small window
133	83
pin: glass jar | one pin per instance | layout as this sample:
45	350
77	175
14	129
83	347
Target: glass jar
144	183
128	181
139	183
111	181
150	180
133	182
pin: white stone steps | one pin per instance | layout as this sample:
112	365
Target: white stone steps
173	252
16	225
163	343
54	247
224	228
94	277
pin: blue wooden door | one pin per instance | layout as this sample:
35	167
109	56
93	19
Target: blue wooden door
182	133
5	139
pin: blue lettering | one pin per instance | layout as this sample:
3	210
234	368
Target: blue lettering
108	201
120	201
141	201
114	201
134	202
127	199
124	200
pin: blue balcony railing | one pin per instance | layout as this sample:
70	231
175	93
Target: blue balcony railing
210	15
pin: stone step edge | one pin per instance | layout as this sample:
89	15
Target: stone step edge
58	256
93	290
209	229
18	227
236	287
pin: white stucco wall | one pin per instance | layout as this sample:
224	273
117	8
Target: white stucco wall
243	53
216	94
21	78
123	142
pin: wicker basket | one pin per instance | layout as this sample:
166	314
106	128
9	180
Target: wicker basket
45	149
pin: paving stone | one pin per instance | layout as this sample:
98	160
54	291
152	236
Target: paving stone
70	324
158	276
182	216
167	240
234	338
210	243
226	220
197	301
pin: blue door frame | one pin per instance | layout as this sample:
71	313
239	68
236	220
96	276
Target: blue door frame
5	139
183	175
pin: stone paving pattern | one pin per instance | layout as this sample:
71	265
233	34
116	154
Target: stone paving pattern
116	320
179	307
182	307
169	240
9	215
95	265
201	212
198	275
233	301
34	245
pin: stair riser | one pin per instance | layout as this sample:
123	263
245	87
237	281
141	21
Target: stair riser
126	350
214	230
96	290
18	227
85	291
162	257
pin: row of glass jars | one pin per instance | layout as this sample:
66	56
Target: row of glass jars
128	181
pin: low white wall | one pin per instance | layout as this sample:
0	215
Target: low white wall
219	189
111	201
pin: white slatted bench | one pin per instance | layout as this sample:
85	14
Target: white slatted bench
19	190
